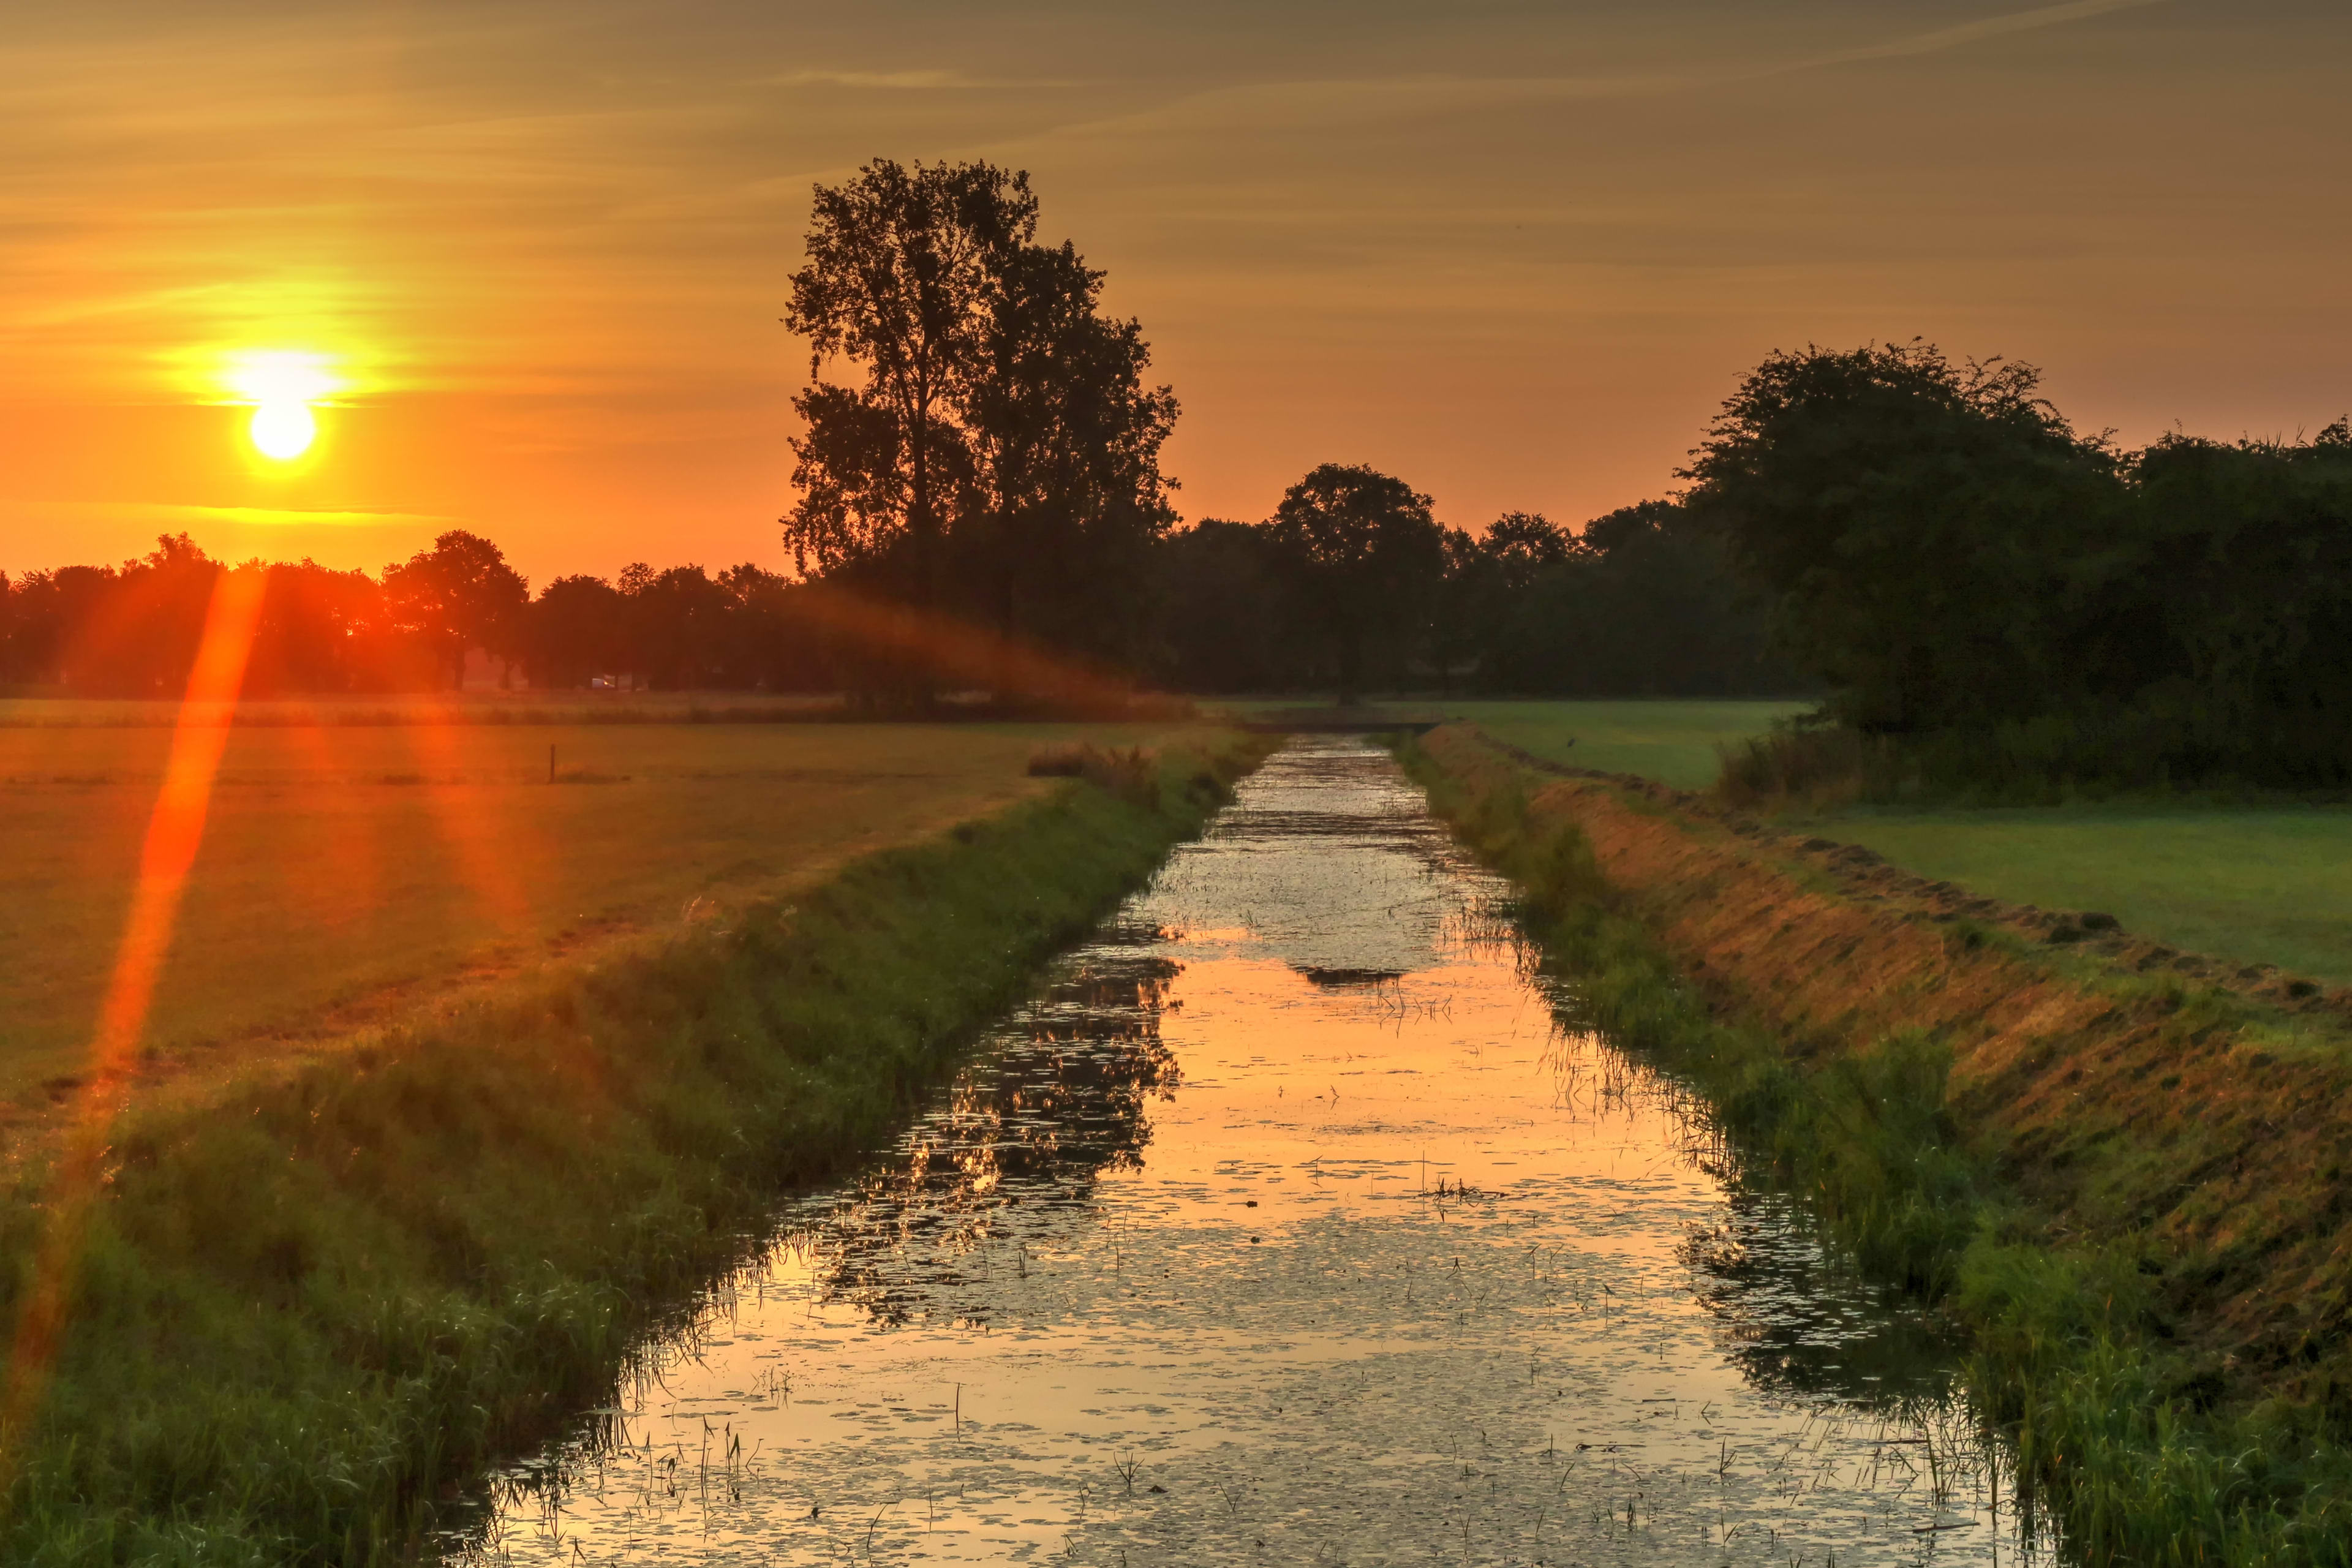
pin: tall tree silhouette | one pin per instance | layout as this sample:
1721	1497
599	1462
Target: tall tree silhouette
1066	438
902	280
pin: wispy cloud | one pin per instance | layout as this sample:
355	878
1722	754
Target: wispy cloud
1273	106
168	514
894	81
1966	33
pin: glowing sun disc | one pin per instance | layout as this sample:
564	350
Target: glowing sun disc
283	430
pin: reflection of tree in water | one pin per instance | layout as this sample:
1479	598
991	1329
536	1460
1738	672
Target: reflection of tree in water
1055	1097
1800	1321
1795	1315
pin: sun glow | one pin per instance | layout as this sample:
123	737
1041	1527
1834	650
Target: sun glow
281	384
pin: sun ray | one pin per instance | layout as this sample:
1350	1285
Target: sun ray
175	830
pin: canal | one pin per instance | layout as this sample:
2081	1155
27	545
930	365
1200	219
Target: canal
1294	1220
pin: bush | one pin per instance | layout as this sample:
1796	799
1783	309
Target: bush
1132	775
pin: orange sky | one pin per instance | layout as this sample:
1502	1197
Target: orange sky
1514	253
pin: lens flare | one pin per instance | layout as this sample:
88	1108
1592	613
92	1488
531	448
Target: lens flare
175	829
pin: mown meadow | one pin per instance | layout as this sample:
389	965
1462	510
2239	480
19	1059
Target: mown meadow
350	869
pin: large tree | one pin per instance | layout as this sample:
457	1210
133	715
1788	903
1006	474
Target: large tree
902	280
1914	520
1001	459
1066	495
1369	557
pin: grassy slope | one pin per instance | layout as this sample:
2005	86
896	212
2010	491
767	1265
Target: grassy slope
1670	740
2151	1258
2251	885
305	1308
340	861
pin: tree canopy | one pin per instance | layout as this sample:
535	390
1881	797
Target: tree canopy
1001	460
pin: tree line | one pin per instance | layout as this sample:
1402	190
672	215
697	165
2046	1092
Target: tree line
133	630
1986	594
1319	598
982	504
1995	598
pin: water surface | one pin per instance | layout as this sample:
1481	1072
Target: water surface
1293	1222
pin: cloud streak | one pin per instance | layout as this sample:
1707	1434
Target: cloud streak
1965	33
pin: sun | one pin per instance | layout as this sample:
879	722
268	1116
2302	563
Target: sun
281	384
283	430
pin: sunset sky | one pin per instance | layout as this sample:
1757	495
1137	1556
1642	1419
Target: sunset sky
535	252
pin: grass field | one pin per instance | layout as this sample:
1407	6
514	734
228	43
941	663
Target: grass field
347	870
1672	741
2257	885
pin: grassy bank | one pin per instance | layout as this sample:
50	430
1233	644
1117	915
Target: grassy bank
1672	740
304	1310
2128	1191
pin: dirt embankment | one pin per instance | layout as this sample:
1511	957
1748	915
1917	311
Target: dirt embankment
2128	1094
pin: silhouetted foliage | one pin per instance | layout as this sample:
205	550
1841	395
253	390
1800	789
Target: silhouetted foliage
1001	462
1367	558
904	272
1910	518
1643	604
2027	606
458	595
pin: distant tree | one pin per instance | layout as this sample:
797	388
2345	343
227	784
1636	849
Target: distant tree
578	630
1224	612
2228	618
458	595
1522	545
136	630
1645	605
1485	578
902	281
320	630
772	641
1369	557
679	625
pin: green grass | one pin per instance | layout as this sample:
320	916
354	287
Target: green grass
1670	740
304	1309
348	870
2247	884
